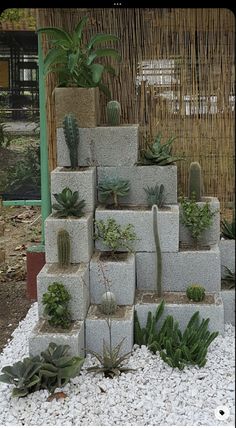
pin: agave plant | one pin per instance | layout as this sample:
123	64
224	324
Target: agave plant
228	229
155	195
76	61
229	277
67	204
160	154
114	187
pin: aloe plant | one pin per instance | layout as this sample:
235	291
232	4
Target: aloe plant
155	195
160	154
68	204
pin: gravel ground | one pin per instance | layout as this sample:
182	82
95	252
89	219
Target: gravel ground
154	394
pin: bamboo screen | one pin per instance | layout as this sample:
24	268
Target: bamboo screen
176	77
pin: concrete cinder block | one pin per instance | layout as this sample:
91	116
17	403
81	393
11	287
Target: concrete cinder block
75	280
96	329
39	339
81	234
228	297
227	255
141	177
83	181
168	224
210	236
179	270
119	273
182	312
103	145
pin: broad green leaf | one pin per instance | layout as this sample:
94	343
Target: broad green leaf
79	28
97	70
100	38
58	33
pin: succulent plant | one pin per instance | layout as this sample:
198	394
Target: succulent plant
155	195
229	276
108	303
228	229
195	181
71	132
63	248
113	113
195	292
113	187
114	236
160	154
158	251
56	301
67	204
146	335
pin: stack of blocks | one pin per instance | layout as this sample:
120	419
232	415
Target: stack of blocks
108	151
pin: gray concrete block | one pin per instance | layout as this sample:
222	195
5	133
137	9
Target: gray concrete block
182	312
143	176
179	270
119	273
210	236
83	181
227	255
102	145
75	280
168	224
81	234
228	297
40	339
96	329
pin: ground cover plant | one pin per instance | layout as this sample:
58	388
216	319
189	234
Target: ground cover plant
55	302
114	236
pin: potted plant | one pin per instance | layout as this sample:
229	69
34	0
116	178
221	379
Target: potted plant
227	246
79	71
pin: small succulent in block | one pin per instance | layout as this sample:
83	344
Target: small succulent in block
113	113
155	195
159	154
71	132
114	236
63	248
113	187
56	301
195	292
195	181
228	229
68	204
108	303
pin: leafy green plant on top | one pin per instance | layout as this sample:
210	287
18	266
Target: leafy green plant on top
228	229
76	61
56	301
195	292
68	204
155	195
114	187
159	154
114	236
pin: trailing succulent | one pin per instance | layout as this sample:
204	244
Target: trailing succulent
114	236
53	369
195	292
68	204
159	154
56	305
114	187
155	195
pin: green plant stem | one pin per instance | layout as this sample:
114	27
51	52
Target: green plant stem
158	252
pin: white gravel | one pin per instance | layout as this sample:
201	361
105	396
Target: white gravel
155	394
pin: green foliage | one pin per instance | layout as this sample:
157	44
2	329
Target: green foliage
158	251
228	229
146	335
229	277
114	236
71	132
5	137
194	217
195	181
195	292
56	305
111	362
16	15
113	113
76	61
63	248
108	303
159	154
26	171
52	370
68	204
114	187
155	195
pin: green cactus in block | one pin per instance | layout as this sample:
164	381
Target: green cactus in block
158	251
113	113
108	303
195	292
63	248
195	181
71	132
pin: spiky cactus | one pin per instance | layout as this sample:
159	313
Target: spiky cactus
71	132
63	248
158	251
195	181
108	303
195	292
113	113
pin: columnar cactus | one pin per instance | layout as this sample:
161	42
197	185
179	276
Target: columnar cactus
108	303
113	113
71	132
195	292
63	248
158	251
195	181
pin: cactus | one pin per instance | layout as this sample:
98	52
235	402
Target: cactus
195	292
63	248
158	251
71	132
108	303
195	181
113	113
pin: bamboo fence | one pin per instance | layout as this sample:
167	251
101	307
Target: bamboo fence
176	77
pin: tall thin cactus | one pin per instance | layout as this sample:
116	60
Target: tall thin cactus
158	251
63	248
195	181
71	132
113	113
